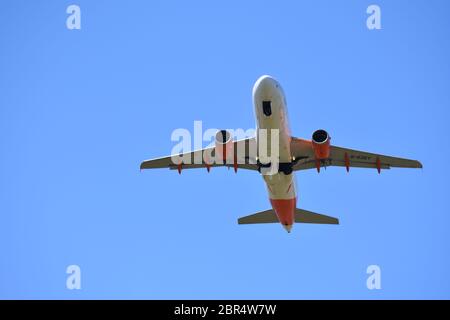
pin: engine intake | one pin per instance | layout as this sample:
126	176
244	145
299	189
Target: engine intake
224	147
321	144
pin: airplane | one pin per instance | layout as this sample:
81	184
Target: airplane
294	154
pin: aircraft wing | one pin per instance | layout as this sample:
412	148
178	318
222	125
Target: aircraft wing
245	152
303	152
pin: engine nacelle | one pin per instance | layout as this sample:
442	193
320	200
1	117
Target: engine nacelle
321	144
224	147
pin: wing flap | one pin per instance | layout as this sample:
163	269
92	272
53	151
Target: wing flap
310	164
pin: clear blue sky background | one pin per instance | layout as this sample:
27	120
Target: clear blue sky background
79	110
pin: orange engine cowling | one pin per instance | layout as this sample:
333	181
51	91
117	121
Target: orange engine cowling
321	144
224	147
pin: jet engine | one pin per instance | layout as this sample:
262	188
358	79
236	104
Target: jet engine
224	147
321	144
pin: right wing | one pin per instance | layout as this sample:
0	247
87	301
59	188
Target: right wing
343	157
245	151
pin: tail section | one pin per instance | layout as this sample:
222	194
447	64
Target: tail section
301	216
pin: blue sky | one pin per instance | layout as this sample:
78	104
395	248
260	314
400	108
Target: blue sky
80	109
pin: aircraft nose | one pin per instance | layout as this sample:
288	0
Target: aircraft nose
265	83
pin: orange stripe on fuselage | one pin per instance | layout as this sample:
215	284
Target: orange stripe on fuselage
284	208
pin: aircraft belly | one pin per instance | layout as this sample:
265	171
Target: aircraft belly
277	122
280	186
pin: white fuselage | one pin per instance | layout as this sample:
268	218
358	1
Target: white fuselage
271	113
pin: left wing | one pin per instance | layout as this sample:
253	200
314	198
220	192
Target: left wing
303	152
243	151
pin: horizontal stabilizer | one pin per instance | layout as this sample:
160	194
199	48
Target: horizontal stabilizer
268	216
301	216
304	216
